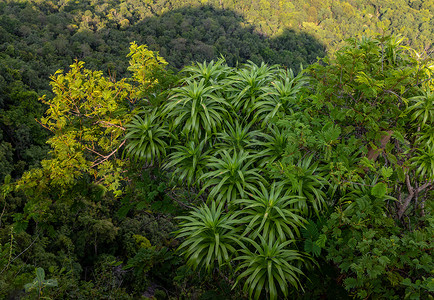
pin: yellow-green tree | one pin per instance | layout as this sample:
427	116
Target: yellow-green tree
87	118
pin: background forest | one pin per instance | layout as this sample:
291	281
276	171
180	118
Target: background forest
252	149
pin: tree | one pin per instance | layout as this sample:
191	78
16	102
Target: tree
368	90
379	93
87	117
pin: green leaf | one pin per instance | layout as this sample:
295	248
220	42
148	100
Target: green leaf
308	245
321	240
352	243
379	190
383	260
40	274
400	173
141	205
386	172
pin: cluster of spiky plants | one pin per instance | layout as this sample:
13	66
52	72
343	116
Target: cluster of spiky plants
266	150
223	141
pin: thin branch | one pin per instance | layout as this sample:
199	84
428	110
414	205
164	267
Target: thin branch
112	125
392	92
180	202
407	181
3	211
428	79
422	187
422	204
20	254
108	156
410	196
91	150
46	127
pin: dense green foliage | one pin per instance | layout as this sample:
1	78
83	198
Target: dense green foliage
39	37
282	173
237	177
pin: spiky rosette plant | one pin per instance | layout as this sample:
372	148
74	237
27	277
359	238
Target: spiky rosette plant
146	138
269	267
209	236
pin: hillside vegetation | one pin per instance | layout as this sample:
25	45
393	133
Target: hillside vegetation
216	150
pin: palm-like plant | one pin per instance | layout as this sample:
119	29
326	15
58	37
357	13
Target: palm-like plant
423	162
146	138
269	267
305	179
197	108
274	145
249	85
283	96
209	236
231	176
422	108
271	212
189	161
425	138
211	72
237	137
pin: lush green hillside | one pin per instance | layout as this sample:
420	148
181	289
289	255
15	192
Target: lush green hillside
235	178
40	37
43	36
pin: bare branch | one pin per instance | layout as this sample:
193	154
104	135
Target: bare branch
46	127
3	211
108	156
422	187
411	192
20	253
373	154
108	124
95	152
179	202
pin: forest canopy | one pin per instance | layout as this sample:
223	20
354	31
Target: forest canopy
235	150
